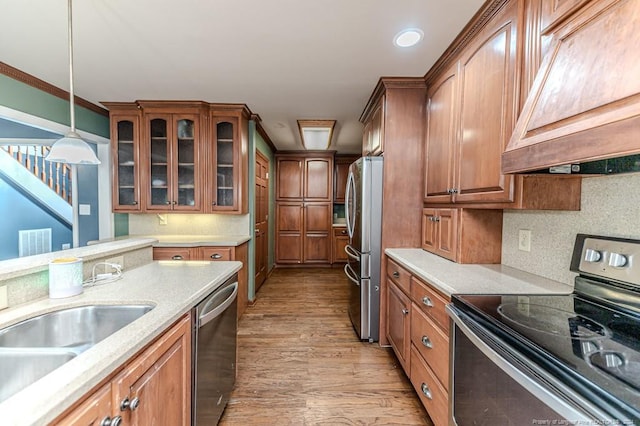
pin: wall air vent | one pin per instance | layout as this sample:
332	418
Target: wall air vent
34	241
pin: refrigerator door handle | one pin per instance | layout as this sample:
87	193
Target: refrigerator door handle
348	203
348	272
351	252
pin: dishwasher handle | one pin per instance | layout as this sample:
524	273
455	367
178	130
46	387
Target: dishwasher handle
211	310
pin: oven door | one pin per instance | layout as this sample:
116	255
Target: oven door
492	383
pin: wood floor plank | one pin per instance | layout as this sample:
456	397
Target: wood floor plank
301	363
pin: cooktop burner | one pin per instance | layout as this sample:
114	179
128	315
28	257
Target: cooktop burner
549	320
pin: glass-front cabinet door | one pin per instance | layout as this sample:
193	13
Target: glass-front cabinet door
173	150
125	131
223	185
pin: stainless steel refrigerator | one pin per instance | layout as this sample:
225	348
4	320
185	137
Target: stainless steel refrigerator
363	211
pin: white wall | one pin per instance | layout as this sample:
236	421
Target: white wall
189	224
610	206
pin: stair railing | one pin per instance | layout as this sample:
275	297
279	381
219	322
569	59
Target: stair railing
56	176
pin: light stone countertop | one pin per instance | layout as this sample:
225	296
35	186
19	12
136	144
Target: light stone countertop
197	240
173	287
454	278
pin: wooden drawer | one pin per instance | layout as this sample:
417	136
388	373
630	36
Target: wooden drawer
173	253
340	232
216	253
431	302
433	396
432	344
399	275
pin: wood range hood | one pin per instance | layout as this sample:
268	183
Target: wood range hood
584	104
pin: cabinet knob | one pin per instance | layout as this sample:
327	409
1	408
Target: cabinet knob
176	257
427	342
108	421
128	404
213	203
216	256
396	274
426	391
167	202
135	203
174	203
343	232
426	300
405	311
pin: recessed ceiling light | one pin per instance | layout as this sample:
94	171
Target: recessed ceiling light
407	38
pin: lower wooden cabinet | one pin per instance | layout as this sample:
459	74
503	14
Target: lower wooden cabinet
418	330
303	233
339	242
152	388
214	253
463	235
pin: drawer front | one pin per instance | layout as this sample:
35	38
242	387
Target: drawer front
433	396
399	275
340	232
431	302
431	343
216	253
171	253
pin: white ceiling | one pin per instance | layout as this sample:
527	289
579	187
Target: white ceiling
286	59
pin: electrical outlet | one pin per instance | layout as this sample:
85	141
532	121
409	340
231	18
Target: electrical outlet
524	240
4	303
162	219
118	260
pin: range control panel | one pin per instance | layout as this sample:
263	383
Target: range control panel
610	258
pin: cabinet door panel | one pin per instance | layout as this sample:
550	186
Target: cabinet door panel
289	248
125	131
159	153
186	190
317	217
429	229
448	233
318	179
290	178
441	138
317	248
487	81
224	151
398	323
93	411
290	217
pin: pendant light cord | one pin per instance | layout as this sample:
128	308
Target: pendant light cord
71	92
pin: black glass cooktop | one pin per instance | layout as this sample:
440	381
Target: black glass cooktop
595	348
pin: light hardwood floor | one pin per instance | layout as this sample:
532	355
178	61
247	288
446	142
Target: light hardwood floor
300	362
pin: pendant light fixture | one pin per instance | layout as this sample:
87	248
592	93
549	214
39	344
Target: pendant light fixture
71	149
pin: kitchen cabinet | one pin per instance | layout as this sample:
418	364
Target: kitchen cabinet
179	156
340	174
471	110
339	242
226	181
418	330
373	136
303	233
463	235
304	191
584	104
238	253
125	151
154	387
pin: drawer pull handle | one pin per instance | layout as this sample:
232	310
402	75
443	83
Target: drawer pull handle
216	256
396	274
427	342
405	311
426	391
427	301
176	257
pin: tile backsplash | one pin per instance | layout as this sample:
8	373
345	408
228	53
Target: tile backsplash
189	224
610	206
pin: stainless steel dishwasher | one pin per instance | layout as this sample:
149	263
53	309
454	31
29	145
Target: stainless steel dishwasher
215	326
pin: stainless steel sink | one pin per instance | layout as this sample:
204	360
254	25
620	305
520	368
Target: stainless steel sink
31	349
21	367
76	329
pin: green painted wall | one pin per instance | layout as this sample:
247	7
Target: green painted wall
22	97
256	143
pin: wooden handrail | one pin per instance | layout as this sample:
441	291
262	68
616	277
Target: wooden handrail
56	176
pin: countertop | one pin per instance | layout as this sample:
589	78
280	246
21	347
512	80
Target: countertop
197	240
173	287
454	278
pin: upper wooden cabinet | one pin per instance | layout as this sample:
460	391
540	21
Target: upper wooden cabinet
179	156
585	101
305	176
373	135
471	111
340	174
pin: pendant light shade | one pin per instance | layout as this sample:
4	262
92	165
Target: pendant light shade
71	149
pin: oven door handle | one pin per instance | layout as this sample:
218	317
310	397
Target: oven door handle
551	399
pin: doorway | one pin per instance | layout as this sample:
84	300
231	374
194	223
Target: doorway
261	204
